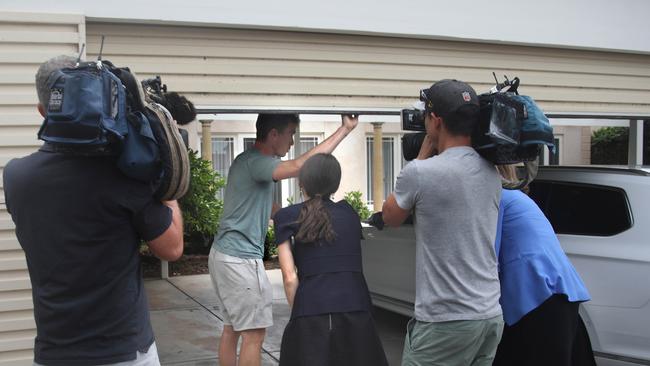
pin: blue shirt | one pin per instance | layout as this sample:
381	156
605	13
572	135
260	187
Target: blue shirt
532	265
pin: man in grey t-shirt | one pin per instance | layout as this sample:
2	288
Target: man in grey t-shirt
455	199
243	290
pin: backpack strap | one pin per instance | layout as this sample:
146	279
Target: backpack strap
177	169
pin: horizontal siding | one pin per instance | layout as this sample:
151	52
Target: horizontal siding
10	243
26	40
350	70
278	68
16	283
11	260
24	356
36	19
22	320
17	341
16	300
6	225
15	53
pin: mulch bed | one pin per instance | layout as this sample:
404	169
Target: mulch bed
189	264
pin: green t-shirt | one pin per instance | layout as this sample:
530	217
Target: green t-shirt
247	205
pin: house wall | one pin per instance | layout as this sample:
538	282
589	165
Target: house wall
26	40
257	68
570	144
217	67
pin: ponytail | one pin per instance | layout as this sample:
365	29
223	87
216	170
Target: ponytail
314	222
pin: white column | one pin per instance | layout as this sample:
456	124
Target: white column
635	144
297	151
206	139
377	167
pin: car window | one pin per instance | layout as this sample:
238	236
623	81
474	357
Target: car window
583	209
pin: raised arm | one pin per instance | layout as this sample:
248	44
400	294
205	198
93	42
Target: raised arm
290	168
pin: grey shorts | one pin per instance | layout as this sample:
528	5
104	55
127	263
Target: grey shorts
244	293
453	343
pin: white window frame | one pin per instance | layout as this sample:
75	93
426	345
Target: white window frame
225	136
397	161
288	183
234	153
239	144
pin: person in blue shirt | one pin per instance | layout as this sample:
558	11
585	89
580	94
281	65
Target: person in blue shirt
540	289
330	304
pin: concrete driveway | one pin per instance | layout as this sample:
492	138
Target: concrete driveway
187	323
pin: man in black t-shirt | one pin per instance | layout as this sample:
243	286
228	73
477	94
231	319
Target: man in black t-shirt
80	222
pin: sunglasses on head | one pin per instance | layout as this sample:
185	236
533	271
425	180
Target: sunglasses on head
428	104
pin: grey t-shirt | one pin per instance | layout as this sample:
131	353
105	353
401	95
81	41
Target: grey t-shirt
456	199
247	205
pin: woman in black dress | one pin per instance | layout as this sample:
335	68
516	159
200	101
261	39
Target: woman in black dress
320	256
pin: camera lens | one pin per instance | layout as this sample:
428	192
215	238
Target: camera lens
411	144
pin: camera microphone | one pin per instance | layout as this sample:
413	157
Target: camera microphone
180	108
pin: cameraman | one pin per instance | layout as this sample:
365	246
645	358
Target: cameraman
455	198
80	222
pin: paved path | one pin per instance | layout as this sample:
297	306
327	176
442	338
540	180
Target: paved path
187	322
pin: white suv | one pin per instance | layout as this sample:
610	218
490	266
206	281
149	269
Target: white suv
602	218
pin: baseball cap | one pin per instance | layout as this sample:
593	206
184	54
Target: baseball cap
446	96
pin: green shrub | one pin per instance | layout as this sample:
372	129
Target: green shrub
270	248
201	207
609	145
355	199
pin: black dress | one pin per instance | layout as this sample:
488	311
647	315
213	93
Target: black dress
331	323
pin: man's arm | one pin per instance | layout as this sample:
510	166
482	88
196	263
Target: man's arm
169	245
290	168
393	215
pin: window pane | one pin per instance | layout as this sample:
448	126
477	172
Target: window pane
248	142
554	158
583	209
306	144
222	156
388	166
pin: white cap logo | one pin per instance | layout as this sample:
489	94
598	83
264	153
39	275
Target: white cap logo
466	96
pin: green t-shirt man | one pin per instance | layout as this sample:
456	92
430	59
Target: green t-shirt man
247	205
244	295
